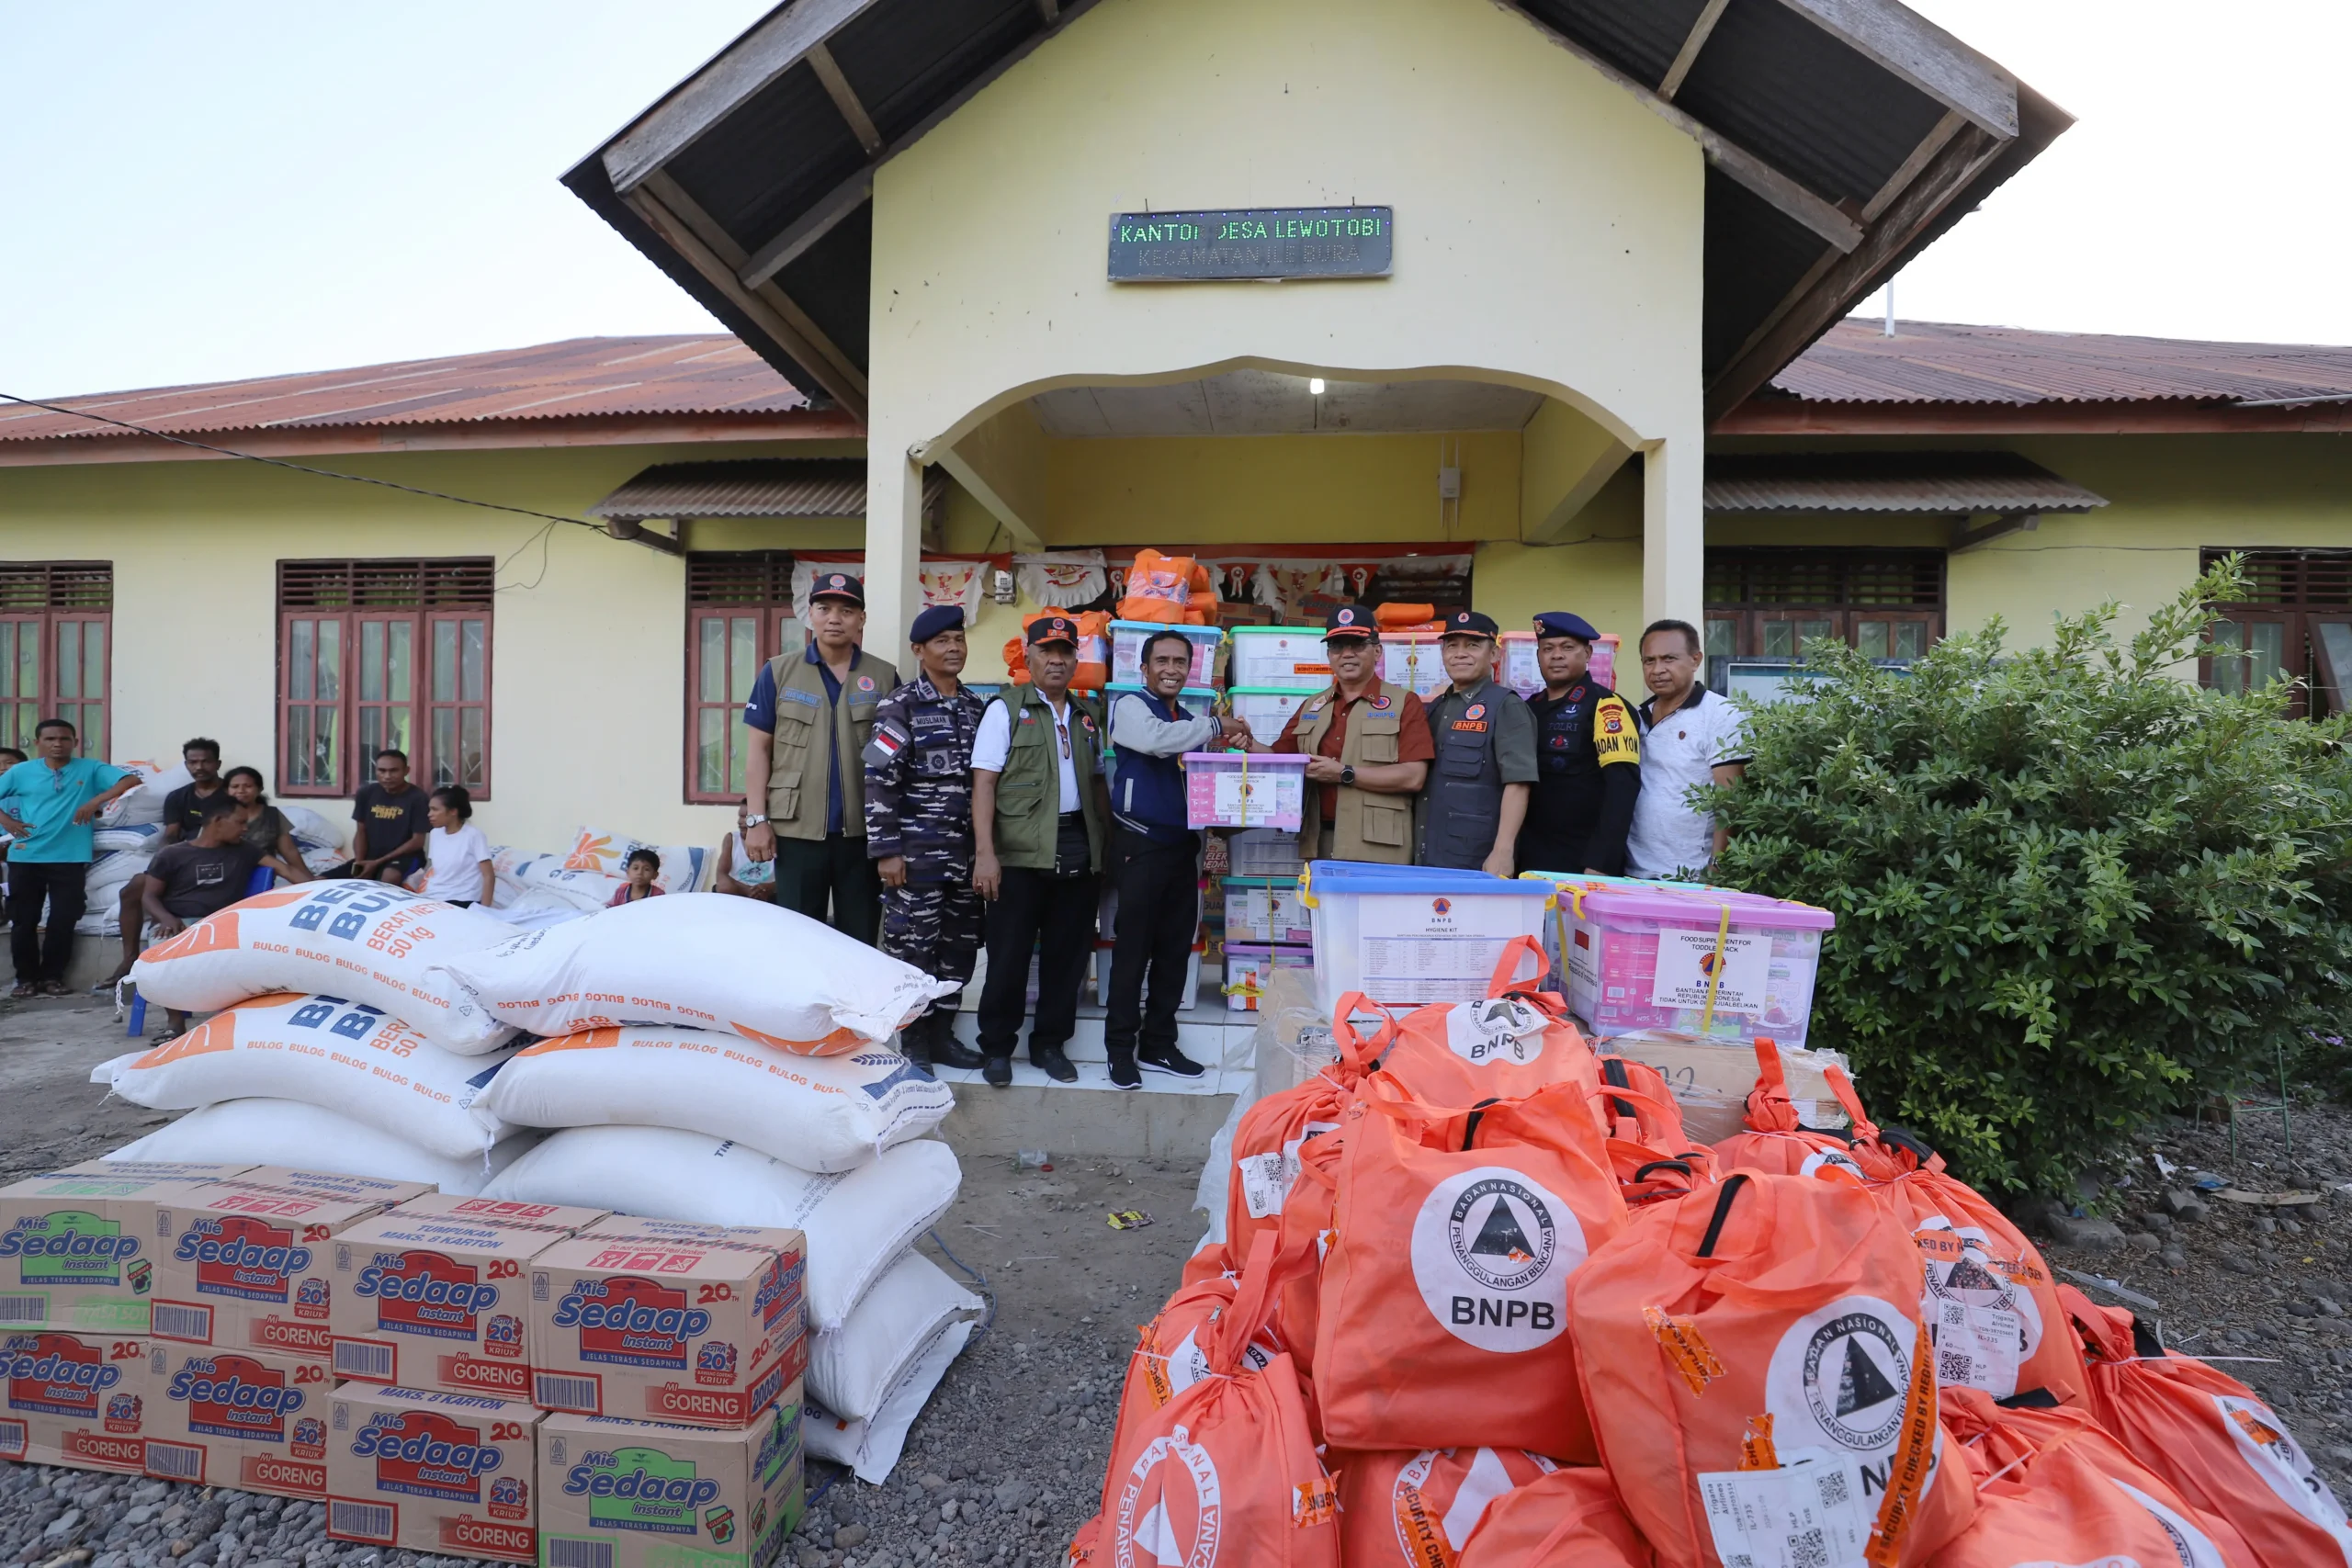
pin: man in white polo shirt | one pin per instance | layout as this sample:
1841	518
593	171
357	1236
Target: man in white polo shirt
1691	736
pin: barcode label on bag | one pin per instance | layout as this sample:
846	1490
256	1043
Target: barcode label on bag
1978	1347
360	1521
566	1393
23	1309
562	1553
1806	1515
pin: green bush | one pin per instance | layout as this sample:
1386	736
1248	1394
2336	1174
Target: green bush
2073	890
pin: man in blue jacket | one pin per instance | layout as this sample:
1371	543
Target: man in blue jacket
1155	862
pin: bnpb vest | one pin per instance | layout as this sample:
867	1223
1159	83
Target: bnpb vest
1462	804
1368	827
1029	791
810	732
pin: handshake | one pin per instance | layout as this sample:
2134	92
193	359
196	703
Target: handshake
1232	733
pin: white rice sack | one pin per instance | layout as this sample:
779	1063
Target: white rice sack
322	858
144	837
536	909
310	830
871	1448
853	1368
820	1113
144	806
593	848
320	1051
587	890
283	1131
367	941
856	1223
698	961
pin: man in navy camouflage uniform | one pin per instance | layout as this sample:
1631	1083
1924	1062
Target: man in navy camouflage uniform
919	827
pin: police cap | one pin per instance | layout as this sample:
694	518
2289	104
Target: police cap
1565	623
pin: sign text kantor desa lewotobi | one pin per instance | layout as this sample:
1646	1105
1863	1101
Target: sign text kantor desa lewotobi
1252	242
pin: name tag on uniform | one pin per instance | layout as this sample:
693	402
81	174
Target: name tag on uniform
924	720
1476	725
795	695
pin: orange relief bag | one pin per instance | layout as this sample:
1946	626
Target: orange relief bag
1753	1355
1440	1321
1227	1470
1776	1145
1159	588
1516	1040
1570	1518
1403	1508
1266	1141
1171	1350
1652	1158
2051	1487
2212	1439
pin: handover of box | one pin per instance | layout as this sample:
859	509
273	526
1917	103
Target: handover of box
432	1302
616	1494
1241	789
75	1399
247	1268
433	1472
700	1328
240	1418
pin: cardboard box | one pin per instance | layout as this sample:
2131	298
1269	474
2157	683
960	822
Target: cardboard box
504	1211
247	1268
429	1303
74	1399
431	1472
78	1250
241	1418
688	1329
650	1494
153	1171
377	1189
763	1237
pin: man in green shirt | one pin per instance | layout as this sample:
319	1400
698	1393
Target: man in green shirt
49	804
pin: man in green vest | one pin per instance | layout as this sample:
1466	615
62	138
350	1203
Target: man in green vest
808	720
1038	810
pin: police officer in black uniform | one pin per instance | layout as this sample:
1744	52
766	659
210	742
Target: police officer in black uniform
919	827
1475	797
1589	758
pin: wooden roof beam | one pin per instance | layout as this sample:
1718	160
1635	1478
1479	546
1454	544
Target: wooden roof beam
845	98
1688	55
1900	40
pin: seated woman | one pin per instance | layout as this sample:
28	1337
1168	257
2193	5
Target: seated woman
262	827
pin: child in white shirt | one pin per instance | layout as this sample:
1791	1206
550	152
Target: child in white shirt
457	855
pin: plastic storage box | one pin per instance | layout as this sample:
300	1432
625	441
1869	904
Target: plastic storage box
1515	663
1411	659
1265	909
1409	935
1709	961
1264	852
1266	709
1127	638
1250	964
1243	789
1289	657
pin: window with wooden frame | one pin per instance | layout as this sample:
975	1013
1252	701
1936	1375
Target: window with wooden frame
56	650
383	653
1767	602
2295	621
739	615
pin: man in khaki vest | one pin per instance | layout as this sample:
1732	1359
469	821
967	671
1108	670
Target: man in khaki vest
808	720
1038	818
1367	745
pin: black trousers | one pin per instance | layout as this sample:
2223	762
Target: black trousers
62	885
831	877
1036	910
1160	909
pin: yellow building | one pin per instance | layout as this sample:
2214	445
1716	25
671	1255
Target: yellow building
1554	282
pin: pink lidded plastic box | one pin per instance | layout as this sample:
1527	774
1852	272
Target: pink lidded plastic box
1244	789
1666	959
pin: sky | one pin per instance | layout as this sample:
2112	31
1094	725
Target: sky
199	193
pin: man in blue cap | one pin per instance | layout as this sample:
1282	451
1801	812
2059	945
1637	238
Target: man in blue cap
810	717
1588	757
919	827
1476	796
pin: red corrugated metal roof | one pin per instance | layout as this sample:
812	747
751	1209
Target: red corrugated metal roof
1931	362
579	377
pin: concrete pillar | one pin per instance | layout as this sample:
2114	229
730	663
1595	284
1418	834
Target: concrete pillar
893	545
1674	530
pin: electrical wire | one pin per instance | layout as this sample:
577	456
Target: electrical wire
552	517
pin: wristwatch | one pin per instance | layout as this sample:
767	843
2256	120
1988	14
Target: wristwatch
754	821
1347	775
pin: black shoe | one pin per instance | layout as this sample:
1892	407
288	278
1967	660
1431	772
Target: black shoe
1049	1060
1168	1059
914	1044
946	1050
997	1071
1123	1069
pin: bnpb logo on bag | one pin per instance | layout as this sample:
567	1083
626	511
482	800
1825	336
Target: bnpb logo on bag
1496	1028
1441	1495
1172	1509
1492	1253
1839	1377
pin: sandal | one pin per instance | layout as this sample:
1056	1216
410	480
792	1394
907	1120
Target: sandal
25	991
56	989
